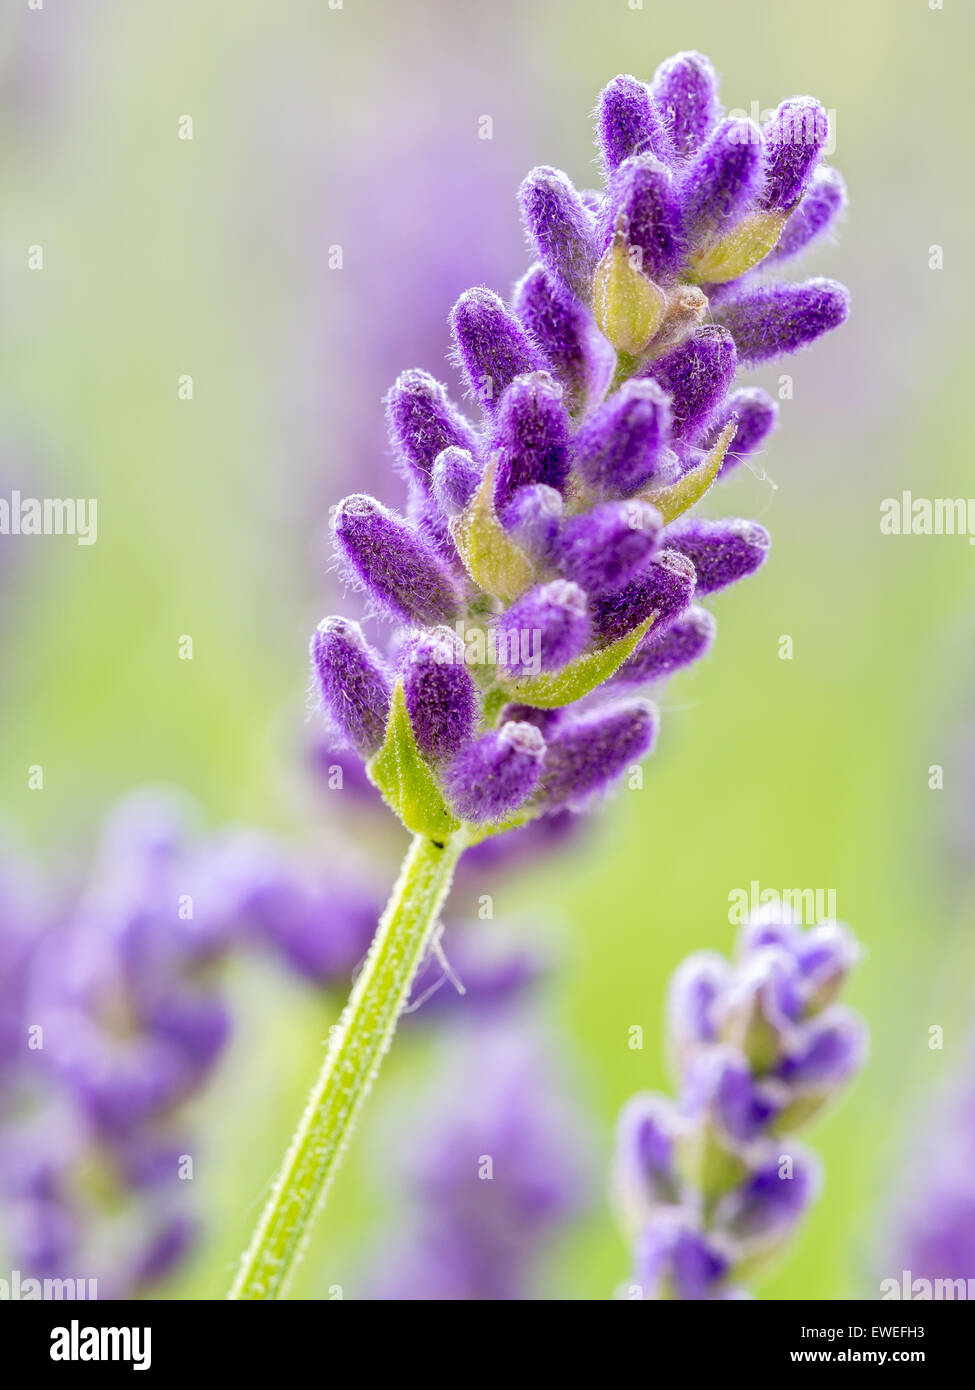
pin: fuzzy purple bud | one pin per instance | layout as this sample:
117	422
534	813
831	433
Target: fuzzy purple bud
643	192
766	1209
603	549
354	687
583	757
757	414
697	375
494	776
422	422
722	552
559	327
623	445
440	695
721	182
544	630
628	122
492	346
695	988
673	1259
560	227
531	436
779	318
685	90
394	562
664	588
454	480
659	655
821	206
794	137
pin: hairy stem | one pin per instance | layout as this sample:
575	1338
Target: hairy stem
356	1048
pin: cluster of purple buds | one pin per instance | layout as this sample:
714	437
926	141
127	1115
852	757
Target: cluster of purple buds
114	1020
549	554
712	1186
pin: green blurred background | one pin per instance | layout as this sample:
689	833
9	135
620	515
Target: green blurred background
358	127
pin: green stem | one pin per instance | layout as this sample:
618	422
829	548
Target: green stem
356	1048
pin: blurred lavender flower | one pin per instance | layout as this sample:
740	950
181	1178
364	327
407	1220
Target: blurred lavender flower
498	1172
711	1187
553	538
929	1225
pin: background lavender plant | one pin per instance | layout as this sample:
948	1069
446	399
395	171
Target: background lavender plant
712	1187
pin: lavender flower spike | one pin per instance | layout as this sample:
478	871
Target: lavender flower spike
354	687
491	345
393	562
600	395
560	227
710	1184
494	776
772	319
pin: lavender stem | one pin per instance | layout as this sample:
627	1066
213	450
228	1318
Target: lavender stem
357	1045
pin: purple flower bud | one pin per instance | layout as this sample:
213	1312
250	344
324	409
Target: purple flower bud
628	122
422	422
454	480
544	630
772	924
583	757
623	444
778	318
697	375
695	987
643	1165
533	517
757	415
822	203
659	655
394	563
673	1259
491	345
665	588
826	955
794	137
766	1209
722	552
560	227
719	1089
559	327
432	525
831	1048
440	695
603	549
354	686
320	929
720	184
494	776
531	436
685	90
643	192
758	1011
